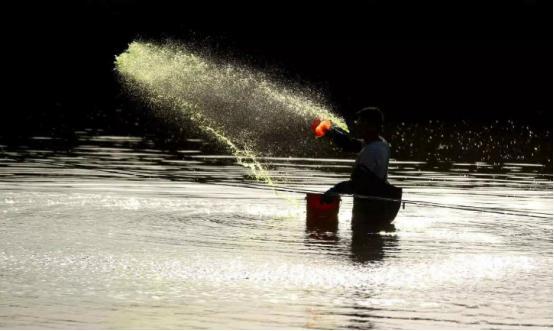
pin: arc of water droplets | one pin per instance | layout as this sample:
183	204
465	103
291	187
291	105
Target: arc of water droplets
240	107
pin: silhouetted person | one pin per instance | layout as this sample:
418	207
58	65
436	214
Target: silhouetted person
373	210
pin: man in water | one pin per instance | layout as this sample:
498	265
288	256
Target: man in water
376	202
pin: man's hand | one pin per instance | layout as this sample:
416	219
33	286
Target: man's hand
328	196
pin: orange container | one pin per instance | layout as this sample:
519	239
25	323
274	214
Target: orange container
320	128
315	209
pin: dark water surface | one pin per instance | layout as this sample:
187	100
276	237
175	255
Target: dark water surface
118	234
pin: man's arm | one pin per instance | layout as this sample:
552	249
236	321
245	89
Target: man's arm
346	187
362	181
342	139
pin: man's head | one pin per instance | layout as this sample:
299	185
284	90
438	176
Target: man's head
369	121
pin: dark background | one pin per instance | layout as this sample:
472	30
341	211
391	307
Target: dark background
417	60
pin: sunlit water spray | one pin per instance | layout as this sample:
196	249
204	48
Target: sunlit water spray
252	114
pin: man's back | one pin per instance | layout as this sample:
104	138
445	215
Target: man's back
375	157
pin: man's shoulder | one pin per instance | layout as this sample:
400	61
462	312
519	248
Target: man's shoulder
377	145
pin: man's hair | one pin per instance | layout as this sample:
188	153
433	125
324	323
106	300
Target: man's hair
372	115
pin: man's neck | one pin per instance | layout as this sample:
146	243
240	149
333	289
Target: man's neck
371	136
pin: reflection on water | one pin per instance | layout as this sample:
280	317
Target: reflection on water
371	247
365	246
114	233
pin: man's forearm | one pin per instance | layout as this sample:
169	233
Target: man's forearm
345	187
344	140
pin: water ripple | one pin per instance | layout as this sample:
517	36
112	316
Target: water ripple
116	234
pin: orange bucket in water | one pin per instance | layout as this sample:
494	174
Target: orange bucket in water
316	210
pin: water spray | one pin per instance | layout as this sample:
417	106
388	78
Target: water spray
244	109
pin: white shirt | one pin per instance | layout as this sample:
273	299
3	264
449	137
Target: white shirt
375	157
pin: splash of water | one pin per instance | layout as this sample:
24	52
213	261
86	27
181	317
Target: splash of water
244	109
